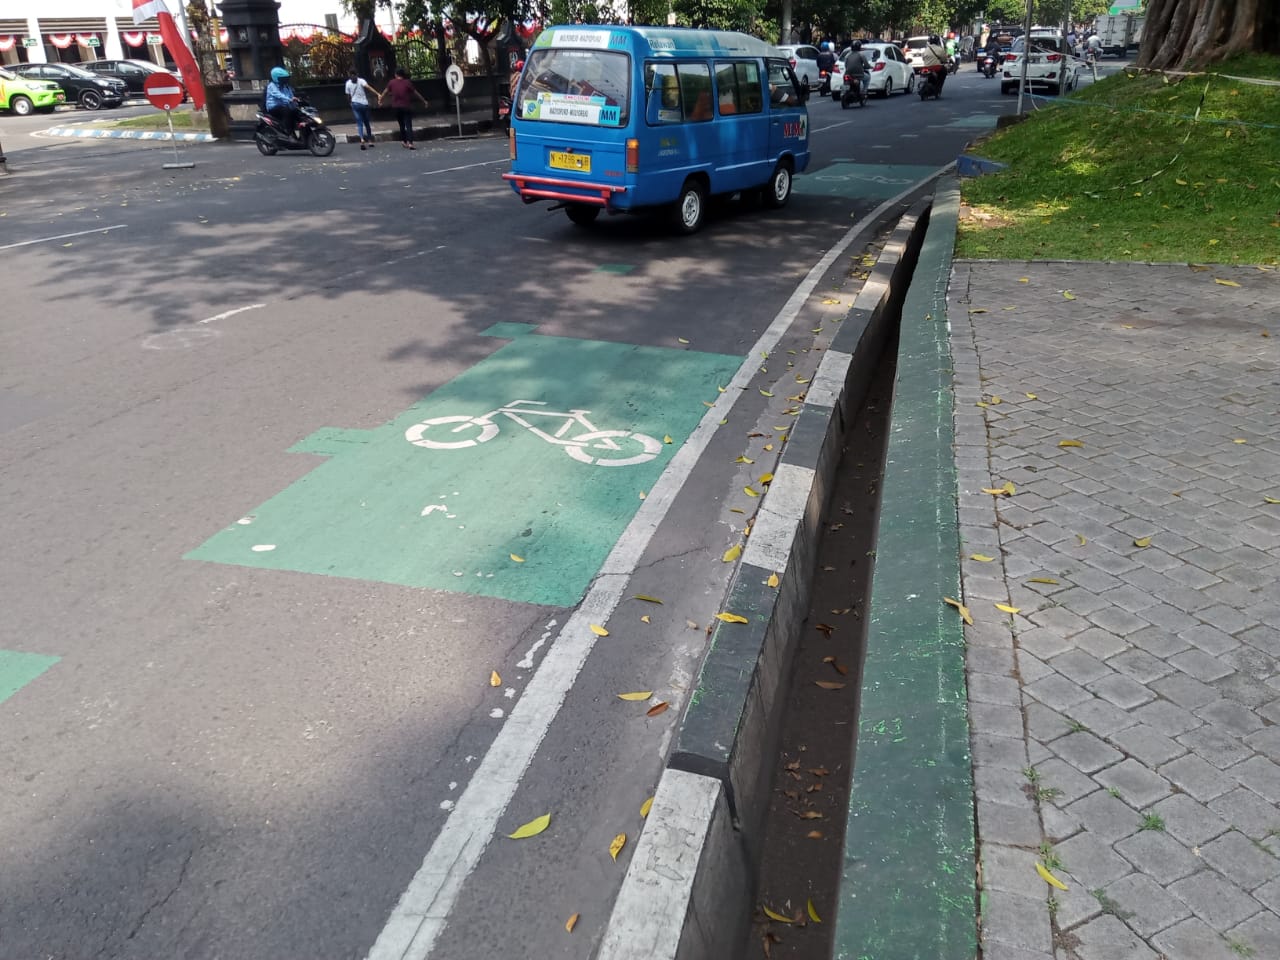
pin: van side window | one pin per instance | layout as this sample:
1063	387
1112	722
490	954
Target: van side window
783	92
738	88
676	93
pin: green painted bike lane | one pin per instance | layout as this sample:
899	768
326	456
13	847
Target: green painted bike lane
514	480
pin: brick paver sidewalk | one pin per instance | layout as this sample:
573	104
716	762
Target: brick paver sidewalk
1126	720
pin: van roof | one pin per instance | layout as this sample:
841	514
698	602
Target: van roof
661	41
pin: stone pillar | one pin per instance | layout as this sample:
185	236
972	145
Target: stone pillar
253	40
35	54
114	49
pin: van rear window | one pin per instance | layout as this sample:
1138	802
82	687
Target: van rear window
591	87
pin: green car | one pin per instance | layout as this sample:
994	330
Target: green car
22	95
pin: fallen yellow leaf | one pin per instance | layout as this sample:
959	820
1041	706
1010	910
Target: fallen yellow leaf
637	695
1081	540
1239	440
1142	542
494	679
659	707
517	559
1270	500
980	404
646	598
598	630
750	493
965	615
773	580
736	510
768	446
667	438
642	494
645	618
996	401
774	915
616	846
829	684
813	912
532	828
682	339
1032	396
765	393
815	835
981	557
732	554
646	807
571	923
1048	580
1068	295
1225	283
1024	279
1048	877
1006	608
744	460
1070	443
731	618
978	310
765	478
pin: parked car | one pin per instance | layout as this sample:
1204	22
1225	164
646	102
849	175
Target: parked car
22	96
1048	65
913	48
803	58
134	73
87	89
890	70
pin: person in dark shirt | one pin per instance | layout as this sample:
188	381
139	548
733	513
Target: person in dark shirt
402	93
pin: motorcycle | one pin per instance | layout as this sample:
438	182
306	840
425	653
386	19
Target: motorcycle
853	92
989	65
931	81
311	134
953	66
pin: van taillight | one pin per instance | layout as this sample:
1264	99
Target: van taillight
633	156
511	143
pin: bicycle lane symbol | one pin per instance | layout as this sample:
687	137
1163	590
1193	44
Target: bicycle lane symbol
539	450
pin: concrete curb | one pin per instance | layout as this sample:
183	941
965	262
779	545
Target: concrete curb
436	131
102	133
688	890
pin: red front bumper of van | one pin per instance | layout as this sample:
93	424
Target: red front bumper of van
532	187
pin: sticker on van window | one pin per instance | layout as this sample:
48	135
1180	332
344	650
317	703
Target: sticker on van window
568	108
598	39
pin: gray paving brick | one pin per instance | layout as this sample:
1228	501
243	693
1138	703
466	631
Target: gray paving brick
1140	665
1124	692
994	785
1255	661
1016	921
1063	777
1107	938
1044	724
1116	619
1201	665
1189	821
1031	668
1196	777
1156	854
993	660
1193	939
1214	900
995	950
1247	812
1157	641
1138	786
1044	642
1076	599
1086	752
1216	744
1231	716
1061	621
1185	691
1080	666
1016	826
1148	907
1245	691
1090	861
1261	934
1269	895
988	688
1168	617
1009	753
1105	817
1208	638
1100	716
1058	824
1147	744
1075	906
996	720
1011	869
1057	692
1167	717
1242	862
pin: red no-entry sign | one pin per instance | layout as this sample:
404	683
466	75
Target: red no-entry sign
163	90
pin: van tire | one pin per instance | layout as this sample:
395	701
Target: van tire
691	209
21	106
582	214
777	191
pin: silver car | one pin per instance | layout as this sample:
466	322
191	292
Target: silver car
803	58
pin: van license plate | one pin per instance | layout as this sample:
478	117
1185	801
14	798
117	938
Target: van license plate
580	162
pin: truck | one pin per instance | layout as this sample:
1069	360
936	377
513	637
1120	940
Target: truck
1119	32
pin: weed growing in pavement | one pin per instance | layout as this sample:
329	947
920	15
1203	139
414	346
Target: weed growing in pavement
1114	791
1239	947
1047	793
1049	857
1124	173
1032	775
1053	908
1077	727
1110	906
1152	821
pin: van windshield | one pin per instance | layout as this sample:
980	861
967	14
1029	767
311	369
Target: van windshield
576	86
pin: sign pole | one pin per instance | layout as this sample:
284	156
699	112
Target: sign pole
453	79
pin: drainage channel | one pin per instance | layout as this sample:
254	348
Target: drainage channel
803	852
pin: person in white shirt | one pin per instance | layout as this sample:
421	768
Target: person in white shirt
358	90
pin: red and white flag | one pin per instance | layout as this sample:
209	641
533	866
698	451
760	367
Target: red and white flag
144	10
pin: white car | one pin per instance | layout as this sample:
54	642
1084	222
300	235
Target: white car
890	70
1048	66
914	50
803	58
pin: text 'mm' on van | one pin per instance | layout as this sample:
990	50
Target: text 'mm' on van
625	119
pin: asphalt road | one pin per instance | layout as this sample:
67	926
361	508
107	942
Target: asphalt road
249	630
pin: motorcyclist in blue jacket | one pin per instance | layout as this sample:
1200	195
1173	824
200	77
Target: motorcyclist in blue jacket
282	101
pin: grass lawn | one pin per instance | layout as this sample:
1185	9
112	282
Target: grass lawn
1123	173
182	120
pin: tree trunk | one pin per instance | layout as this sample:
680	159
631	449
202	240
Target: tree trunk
1193	33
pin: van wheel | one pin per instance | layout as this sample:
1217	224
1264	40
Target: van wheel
583	214
21	106
691	208
778	190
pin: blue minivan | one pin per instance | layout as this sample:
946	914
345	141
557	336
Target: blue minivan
625	119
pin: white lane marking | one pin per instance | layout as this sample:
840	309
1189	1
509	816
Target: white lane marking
62	236
423	910
468	166
231	313
832	126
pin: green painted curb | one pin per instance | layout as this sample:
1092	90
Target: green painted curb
908	890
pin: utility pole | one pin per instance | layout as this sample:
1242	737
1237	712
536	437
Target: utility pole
1026	59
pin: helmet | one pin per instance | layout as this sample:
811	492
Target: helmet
855	46
934	38
279	73
519	65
